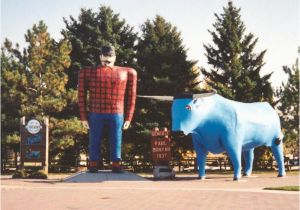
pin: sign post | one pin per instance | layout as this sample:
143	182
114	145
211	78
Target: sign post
161	153
34	143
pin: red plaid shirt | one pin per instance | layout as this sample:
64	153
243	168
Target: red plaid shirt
109	88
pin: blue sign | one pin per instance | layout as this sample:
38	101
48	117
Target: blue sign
34	139
33	154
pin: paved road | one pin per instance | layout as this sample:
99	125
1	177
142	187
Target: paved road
217	192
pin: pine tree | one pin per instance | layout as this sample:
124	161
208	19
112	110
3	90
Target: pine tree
163	69
45	62
163	61
235	68
11	86
288	96
11	95
34	85
90	31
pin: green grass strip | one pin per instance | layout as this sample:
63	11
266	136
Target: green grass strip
285	188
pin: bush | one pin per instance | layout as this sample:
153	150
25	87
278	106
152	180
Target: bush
20	174
38	175
23	174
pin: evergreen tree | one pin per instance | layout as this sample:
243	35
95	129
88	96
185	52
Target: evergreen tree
161	56
163	70
288	96
33	85
11	95
45	62
163	67
235	68
90	31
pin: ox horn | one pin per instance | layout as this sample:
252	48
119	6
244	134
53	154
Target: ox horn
201	95
160	98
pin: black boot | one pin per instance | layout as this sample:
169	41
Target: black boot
93	167
116	167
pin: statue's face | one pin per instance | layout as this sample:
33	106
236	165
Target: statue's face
107	60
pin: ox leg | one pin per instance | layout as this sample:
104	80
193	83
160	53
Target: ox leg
278	154
201	158
235	155
248	157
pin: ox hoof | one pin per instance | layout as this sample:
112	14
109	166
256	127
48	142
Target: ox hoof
202	177
281	176
236	179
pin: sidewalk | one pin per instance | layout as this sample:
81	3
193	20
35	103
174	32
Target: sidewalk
185	192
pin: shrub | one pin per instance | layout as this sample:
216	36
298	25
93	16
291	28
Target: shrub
20	174
38	175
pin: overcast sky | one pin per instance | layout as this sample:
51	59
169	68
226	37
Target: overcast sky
274	22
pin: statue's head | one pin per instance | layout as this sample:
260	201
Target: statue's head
107	55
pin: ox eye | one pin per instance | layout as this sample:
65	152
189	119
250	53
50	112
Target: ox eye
188	107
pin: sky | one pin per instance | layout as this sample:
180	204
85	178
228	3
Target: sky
276	23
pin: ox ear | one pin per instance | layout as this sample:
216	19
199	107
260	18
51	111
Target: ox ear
197	102
160	98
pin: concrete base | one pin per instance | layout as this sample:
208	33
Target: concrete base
103	175
163	172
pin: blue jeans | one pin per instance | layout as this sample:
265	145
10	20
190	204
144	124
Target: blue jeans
96	123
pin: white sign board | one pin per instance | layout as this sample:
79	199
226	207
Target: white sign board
33	126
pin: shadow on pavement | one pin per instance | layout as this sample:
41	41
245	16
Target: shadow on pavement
101	176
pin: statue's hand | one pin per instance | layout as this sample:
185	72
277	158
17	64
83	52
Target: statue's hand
126	125
86	124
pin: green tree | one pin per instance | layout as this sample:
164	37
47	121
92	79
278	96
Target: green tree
11	95
90	31
162	60
45	63
33	85
235	68
163	69
288	96
163	66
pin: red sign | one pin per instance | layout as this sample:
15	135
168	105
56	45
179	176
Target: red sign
161	145
156	132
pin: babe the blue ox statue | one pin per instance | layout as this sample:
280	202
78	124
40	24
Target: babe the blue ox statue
218	125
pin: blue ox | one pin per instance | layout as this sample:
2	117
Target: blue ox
218	124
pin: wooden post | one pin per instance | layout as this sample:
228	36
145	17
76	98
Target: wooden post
46	164
22	125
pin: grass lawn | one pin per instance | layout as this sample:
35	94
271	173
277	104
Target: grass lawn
285	188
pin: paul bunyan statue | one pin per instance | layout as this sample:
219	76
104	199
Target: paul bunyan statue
112	95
